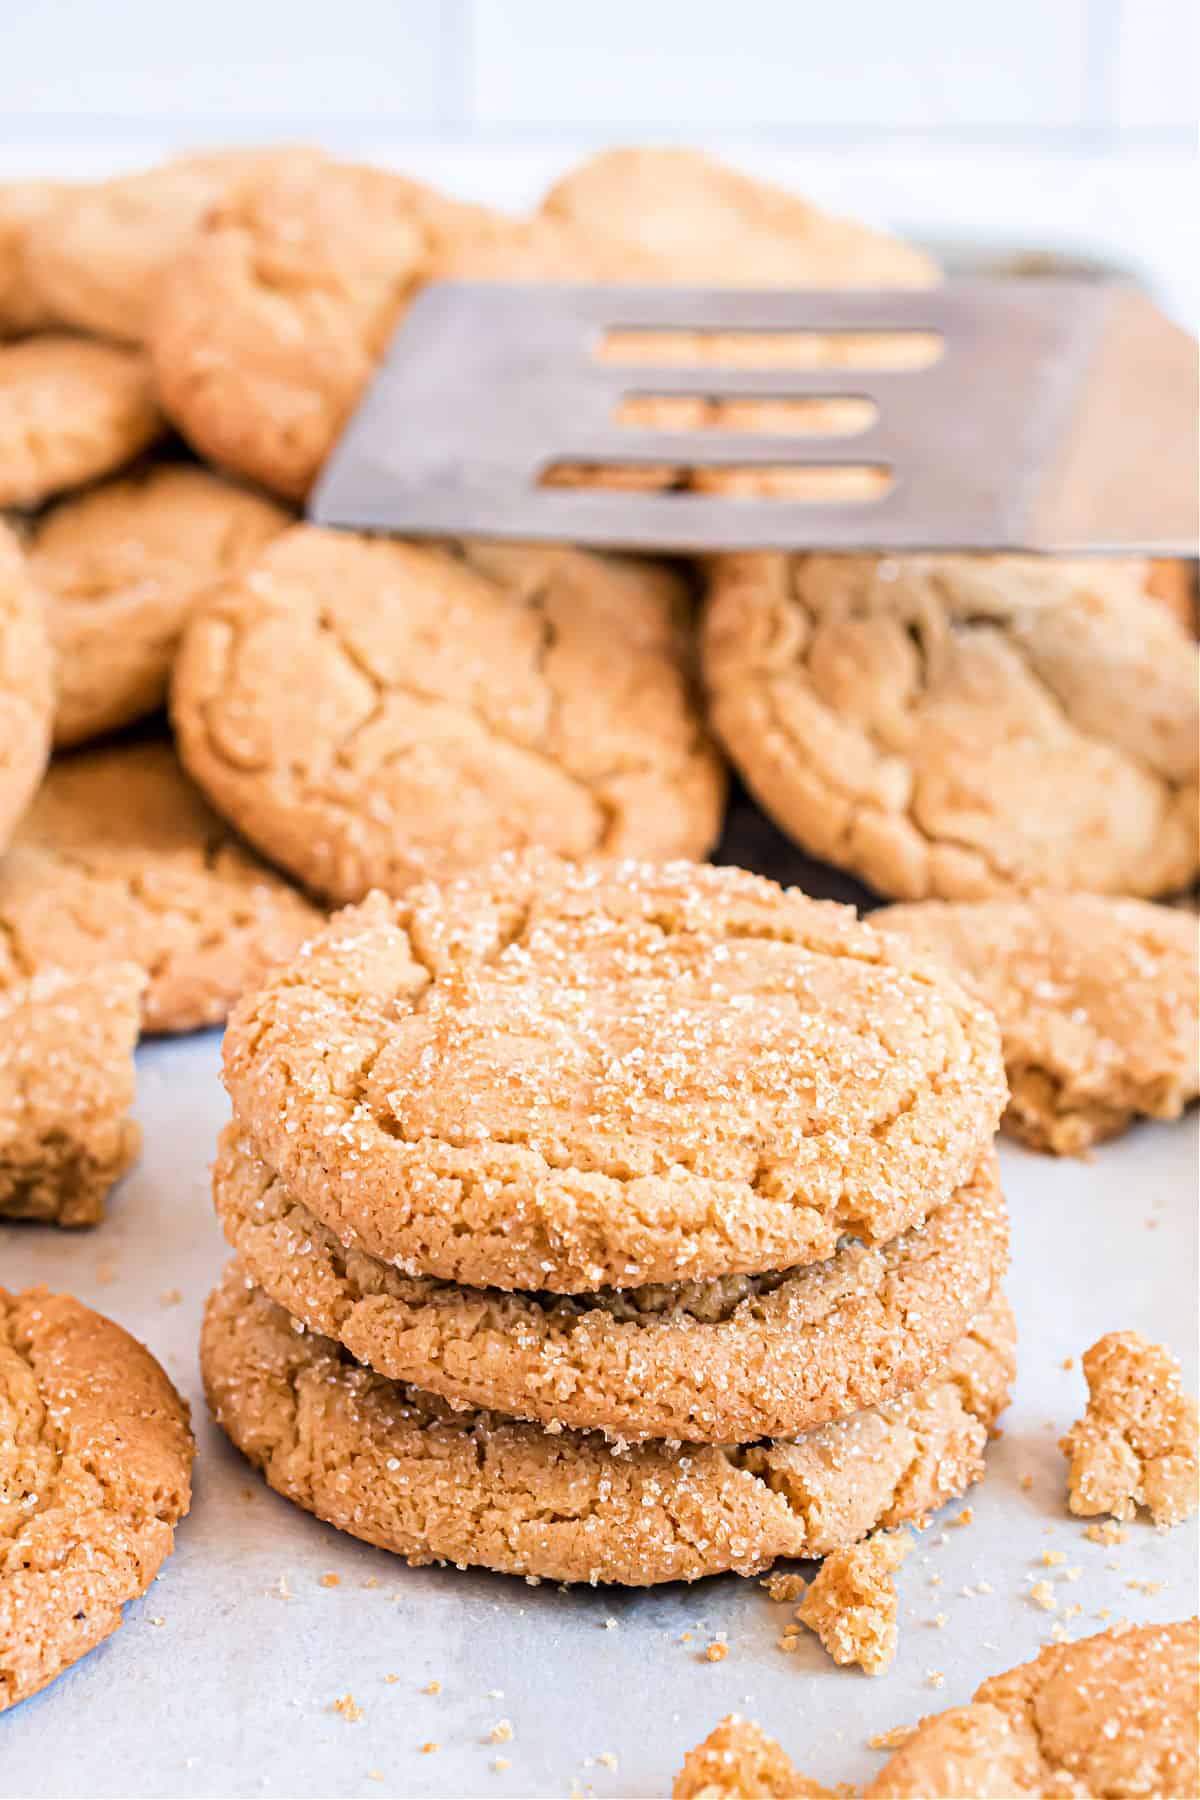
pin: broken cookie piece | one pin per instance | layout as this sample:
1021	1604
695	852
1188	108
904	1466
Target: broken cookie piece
738	1761
851	1604
66	1086
1096	1000
1136	1445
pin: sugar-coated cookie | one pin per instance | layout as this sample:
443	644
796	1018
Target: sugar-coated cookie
1097	1000
26	685
371	713
406	1472
961	726
562	1077
120	860
721	1361
66	1087
97	1455
122	567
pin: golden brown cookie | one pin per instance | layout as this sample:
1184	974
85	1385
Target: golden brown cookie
961	727
721	1361
66	1087
22	204
70	410
1097	1001
122	568
692	219
553	1077
1112	1715
268	324
1173	582
371	713
403	1470
1137	1443
26	685
97	1455
120	860
95	259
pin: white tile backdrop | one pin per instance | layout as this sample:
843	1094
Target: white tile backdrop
1039	122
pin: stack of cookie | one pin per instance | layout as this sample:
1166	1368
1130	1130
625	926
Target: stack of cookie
625	1224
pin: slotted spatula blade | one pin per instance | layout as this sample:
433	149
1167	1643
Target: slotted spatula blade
1060	416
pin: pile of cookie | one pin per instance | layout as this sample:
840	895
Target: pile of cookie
622	1224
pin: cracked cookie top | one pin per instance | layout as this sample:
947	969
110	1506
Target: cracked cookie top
371	713
960	726
95	1471
567	1077
70	410
26	685
122	567
721	1361
120	860
401	1469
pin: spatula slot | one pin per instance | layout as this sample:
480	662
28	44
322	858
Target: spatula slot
811	483
643	346
841	415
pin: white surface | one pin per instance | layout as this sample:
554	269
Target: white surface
229	1693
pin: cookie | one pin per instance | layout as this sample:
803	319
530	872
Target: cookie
97	1456
1111	1714
120	860
719	1362
1137	1443
26	685
371	712
544	1076
22	204
1096	999
122	568
406	1472
70	411
690	218
268	325
66	1087
94	260
961	727
1173	582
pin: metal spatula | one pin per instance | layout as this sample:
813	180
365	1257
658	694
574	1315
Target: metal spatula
1060	415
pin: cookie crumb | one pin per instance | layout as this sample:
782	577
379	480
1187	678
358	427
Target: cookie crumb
331	1580
963	1517
500	1763
374	1774
1136	1444
893	1739
431	1687
1042	1594
1027	1482
784	1588
1052	1558
610	1624
428	1749
345	1705
1068	1362
935	1678
851	1604
501	1732
607	1758
1105	1532
170	1297
941	1619
716	1652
